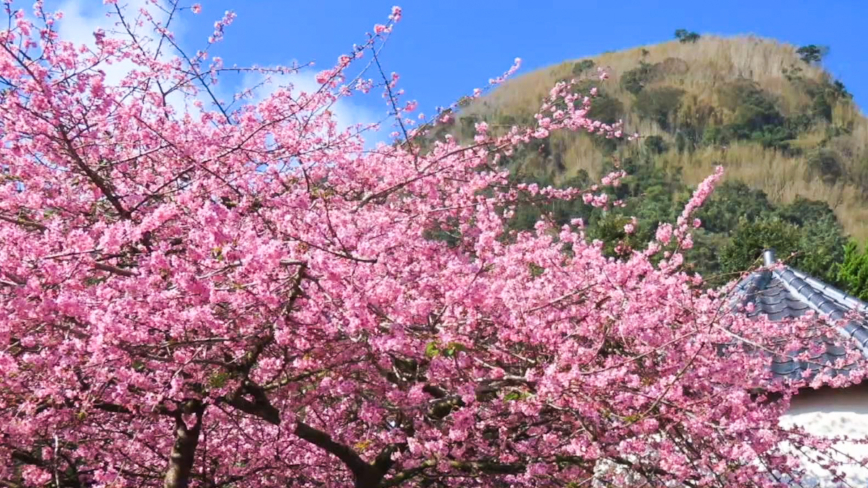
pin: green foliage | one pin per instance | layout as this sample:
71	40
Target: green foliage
738	222
751	238
821	107
803	211
651	194
715	134
659	104
793	73
756	111
655	144
468	126
680	142
609	228
825	94
634	80
731	201
853	271
453	348
839	90
444	233
816	248
821	249
606	109
218	380
755	116
825	164
506	120
704	257
514	396
684	36
812	53
582	66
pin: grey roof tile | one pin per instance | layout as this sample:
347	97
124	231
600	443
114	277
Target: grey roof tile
787	293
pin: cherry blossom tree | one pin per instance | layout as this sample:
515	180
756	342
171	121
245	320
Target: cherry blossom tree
245	295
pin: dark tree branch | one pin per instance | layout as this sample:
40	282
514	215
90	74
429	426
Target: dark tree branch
95	178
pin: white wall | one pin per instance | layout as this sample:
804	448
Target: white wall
834	412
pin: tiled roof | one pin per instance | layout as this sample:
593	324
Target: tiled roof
784	292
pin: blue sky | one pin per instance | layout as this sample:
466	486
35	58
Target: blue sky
445	48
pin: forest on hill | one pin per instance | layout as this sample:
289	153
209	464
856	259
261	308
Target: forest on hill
792	141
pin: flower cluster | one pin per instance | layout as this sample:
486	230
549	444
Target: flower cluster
249	297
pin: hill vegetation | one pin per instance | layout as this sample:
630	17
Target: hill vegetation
794	145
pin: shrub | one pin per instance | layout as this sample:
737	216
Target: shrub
715	134
680	142
468	125
755	113
669	67
754	116
815	247
853	272
752	237
732	201
821	248
582	66
659	104
704	257
825	164
803	211
606	109
634	80
655	144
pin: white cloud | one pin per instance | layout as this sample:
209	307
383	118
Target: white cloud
81	18
346	111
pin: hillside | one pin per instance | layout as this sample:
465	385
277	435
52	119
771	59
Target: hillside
775	122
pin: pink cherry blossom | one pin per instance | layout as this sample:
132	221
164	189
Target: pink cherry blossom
248	295
397	13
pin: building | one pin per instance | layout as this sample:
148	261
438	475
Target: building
783	292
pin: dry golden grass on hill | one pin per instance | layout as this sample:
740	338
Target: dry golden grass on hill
702	70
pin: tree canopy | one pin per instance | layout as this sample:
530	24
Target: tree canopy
247	296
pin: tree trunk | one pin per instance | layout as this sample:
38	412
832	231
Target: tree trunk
184	450
369	479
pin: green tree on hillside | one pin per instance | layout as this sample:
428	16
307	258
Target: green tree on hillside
812	53
751	238
814	249
853	272
684	36
731	201
634	80
659	104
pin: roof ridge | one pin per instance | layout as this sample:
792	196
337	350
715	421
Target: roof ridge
840	296
822	300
